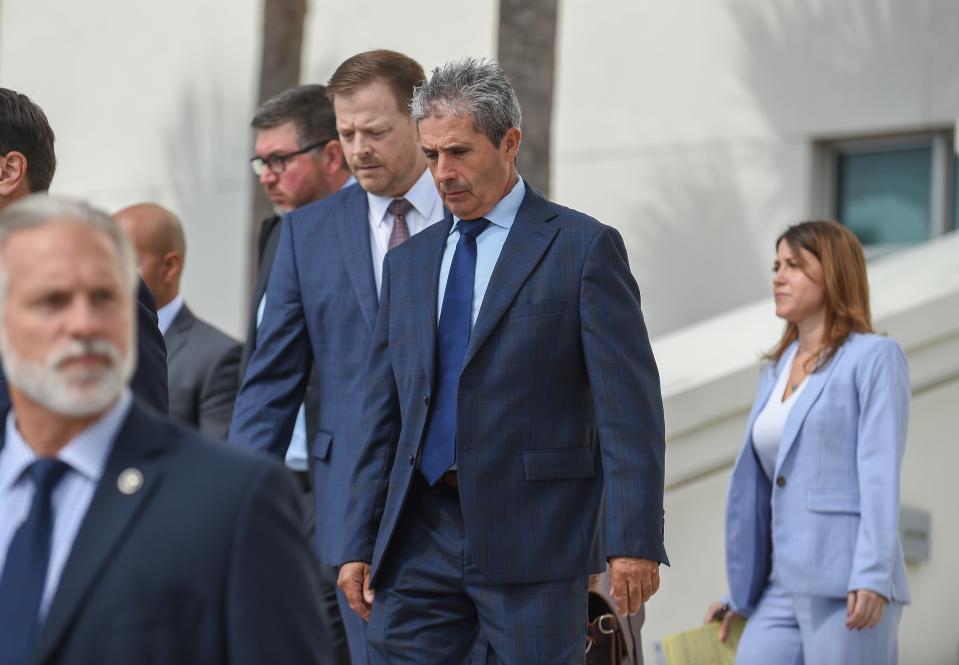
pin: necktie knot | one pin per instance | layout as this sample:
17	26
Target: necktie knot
472	227
401	230
46	473
399	207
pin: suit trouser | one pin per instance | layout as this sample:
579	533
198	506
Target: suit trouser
432	602
337	653
790	629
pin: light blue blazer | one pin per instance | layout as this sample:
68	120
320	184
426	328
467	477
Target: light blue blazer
830	518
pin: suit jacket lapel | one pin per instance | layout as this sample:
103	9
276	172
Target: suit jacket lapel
816	382
427	258
354	233
109	516
767	382
528	240
177	334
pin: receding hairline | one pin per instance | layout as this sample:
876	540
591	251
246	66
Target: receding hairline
399	105
162	226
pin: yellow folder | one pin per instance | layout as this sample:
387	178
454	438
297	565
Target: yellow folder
701	646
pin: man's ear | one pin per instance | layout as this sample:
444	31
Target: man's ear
172	267
13	173
510	142
331	157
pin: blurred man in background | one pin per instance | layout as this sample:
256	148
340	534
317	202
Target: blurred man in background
203	363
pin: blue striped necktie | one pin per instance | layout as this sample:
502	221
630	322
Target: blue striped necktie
25	570
452	338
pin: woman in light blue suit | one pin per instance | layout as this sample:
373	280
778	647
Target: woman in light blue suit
813	556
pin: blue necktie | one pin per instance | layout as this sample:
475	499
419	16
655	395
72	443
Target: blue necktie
452	338
25	570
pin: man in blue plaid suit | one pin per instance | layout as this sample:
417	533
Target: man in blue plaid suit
514	437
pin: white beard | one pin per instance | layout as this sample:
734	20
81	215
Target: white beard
81	392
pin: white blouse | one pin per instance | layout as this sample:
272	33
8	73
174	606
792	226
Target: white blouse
771	421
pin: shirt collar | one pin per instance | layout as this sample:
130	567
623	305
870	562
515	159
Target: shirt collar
349	181
168	312
503	213
422	195
86	453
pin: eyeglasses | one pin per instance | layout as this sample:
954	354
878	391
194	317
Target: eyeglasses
277	162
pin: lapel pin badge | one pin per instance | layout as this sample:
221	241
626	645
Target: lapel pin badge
130	481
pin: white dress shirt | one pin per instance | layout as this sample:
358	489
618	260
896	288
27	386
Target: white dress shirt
86	455
427	209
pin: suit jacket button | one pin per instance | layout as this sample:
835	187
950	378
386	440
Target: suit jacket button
781	481
426	400
412	460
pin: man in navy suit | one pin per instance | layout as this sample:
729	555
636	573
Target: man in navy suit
321	299
298	160
27	165
125	538
513	435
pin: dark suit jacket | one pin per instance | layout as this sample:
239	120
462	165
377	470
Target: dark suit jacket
559	406
203	365
149	382
266	244
320	309
206	564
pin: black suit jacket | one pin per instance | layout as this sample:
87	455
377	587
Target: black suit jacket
203	364
206	564
149	382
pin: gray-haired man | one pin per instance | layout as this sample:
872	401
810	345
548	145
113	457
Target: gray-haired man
512	396
125	538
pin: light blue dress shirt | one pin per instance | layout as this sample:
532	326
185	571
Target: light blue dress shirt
168	312
86	455
489	244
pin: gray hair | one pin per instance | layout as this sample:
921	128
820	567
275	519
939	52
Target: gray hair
474	86
38	210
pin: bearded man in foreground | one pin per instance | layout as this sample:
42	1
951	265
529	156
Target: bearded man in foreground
125	538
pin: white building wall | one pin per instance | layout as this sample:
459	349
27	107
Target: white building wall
150	101
687	125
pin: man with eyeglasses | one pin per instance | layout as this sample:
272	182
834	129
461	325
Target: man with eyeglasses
322	298
298	160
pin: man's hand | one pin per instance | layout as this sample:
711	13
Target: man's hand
354	582
632	582
864	609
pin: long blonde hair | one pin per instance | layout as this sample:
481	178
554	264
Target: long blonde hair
845	280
